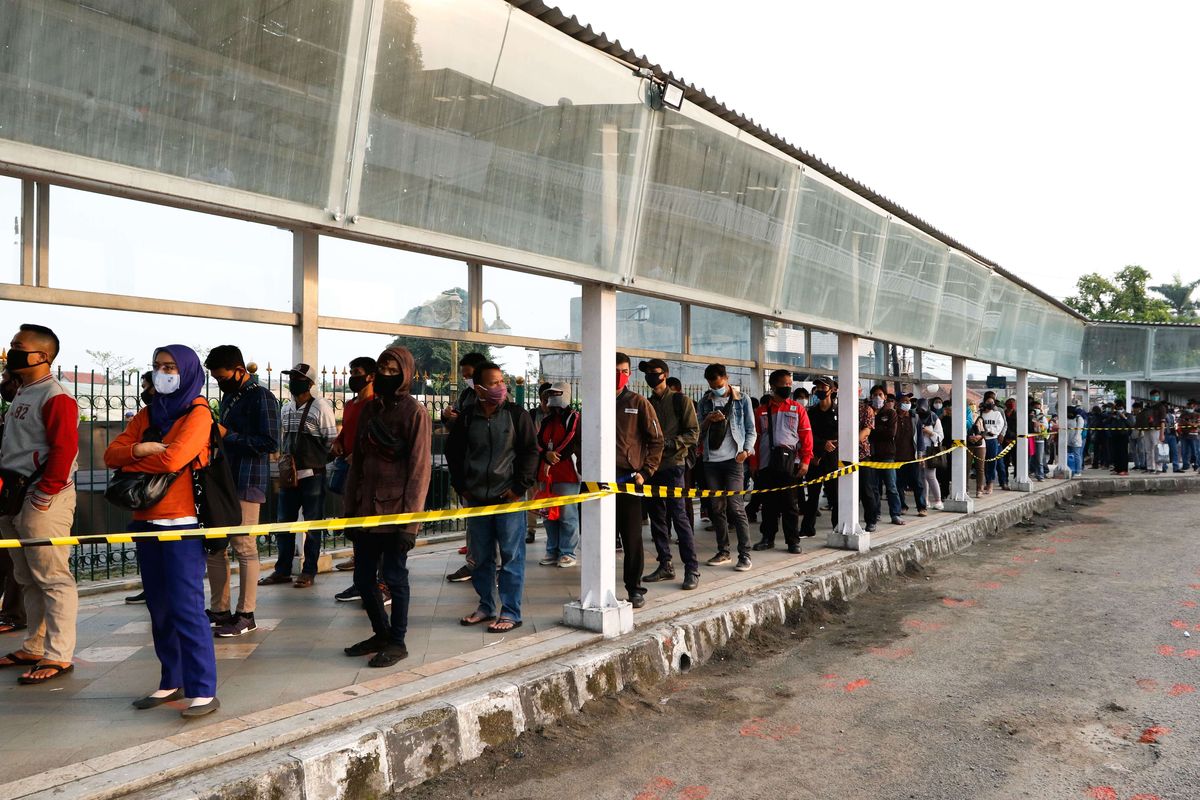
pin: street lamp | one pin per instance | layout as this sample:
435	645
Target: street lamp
497	325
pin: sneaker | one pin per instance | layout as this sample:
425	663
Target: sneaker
870	527
548	561
138	599
463	573
568	561
462	551
217	618
660	574
898	521
743	564
238	625
348	595
344	566
637	600
922	513
719	559
938	506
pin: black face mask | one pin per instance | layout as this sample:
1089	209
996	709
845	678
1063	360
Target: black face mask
783	392
386	386
357	383
147	396
298	387
654	380
820	395
19	359
230	385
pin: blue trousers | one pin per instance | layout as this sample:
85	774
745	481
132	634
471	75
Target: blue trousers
886	483
484	535
173	578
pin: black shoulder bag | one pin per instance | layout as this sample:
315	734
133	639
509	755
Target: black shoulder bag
215	491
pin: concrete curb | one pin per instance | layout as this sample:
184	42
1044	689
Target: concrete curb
394	747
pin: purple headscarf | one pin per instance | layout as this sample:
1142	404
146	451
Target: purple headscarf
166	408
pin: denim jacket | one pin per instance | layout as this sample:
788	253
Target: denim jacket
739	413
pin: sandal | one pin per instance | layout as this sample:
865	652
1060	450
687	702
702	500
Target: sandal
474	618
16	660
503	625
55	670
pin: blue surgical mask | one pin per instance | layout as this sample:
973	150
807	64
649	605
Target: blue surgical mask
906	406
720	391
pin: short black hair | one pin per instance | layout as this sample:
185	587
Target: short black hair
714	371
225	356
148	375
473	360
622	358
779	373
800	391
675	383
485	366
879	387
544	387
44	333
366	364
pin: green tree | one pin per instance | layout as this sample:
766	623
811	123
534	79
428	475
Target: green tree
433	356
1179	295
1124	297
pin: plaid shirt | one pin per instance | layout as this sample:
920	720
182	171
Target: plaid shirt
866	419
251	419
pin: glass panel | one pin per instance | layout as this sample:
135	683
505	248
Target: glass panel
10	230
238	94
490	125
964	295
366	281
874	358
833	264
1176	353
719	333
910	285
1115	351
713	211
824	350
784	343
100	243
643	323
936	367
532	305
1000	333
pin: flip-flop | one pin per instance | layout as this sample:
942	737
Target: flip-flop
59	669
513	625
468	622
15	660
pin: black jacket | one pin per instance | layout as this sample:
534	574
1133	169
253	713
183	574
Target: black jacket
492	458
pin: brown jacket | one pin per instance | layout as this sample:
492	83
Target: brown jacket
390	468
639	436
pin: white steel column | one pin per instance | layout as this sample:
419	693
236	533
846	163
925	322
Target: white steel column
848	534
758	351
960	499
28	230
1022	446
304	298
598	608
1064	400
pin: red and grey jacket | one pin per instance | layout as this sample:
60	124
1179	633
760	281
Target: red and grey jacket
41	433
788	426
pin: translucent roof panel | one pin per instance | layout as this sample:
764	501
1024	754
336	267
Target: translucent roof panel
1176	354
1115	351
965	292
910	285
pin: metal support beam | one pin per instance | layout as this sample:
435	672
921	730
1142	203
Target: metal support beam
304	297
1062	470
42	232
685	328
475	297
960	499
28	233
756	386
848	534
1022	483
145	305
598	608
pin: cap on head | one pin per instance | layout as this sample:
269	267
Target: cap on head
654	365
301	371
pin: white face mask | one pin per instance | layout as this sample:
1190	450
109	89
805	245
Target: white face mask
470	382
165	384
877	403
905	406
556	401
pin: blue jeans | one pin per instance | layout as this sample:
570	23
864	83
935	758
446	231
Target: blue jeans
993	466
912	476
1037	461
1173	445
173	577
309	496
886	480
484	534
562	534
1189	451
1075	460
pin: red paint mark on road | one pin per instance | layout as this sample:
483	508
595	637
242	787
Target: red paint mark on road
1152	734
693	793
830	676
921	625
1009	572
954	602
1047	550
892	653
854	686
1101	793
1179	625
1147	684
990	585
1145	797
1188	603
1181	689
1190	653
759	728
654	788
1194	585
1166	650
1020	560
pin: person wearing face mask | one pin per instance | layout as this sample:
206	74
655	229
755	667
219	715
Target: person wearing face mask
937	408
1074	434
147	397
172	435
785	449
41	444
308	429
467	366
559	448
492	453
1097	439
992	426
1189	436
728	435
883	448
929	440
1009	440
249	416
1154	420
681	432
361	382
1039	427
1118	440
801	396
389	474
12	612
823	417
910	476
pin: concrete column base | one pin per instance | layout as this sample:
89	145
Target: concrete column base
843	538
1062	472
610	622
1022	486
964	505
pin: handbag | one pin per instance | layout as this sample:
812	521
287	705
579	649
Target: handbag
138	491
308	452
546	491
215	490
13	488
780	460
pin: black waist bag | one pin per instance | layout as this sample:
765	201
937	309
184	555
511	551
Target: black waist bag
13	488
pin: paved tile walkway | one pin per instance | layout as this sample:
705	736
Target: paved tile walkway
294	661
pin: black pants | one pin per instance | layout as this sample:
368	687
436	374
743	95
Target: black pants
868	494
1099	443
13	609
666	512
383	555
1118	448
827	463
629	528
778	504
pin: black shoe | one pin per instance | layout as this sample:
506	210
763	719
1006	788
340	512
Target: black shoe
529	538
690	581
794	549
389	656
765	545
660	574
372	645
720	558
347	595
137	599
870	527
807	534
898	521
463	573
201	711
154	702
218	618
637	600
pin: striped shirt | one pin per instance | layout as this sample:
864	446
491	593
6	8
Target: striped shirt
320	422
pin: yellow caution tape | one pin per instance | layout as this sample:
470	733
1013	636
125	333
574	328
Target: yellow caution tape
996	457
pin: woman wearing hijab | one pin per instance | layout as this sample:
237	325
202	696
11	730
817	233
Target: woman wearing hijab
389	474
171	435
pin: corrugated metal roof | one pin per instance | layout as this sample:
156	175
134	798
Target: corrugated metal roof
576	29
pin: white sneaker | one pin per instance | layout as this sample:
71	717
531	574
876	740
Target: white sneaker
939	506
568	561
548	561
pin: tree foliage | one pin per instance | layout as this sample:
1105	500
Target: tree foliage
433	355
108	360
1179	295
1124	297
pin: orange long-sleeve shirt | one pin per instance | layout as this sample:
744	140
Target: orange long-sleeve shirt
187	441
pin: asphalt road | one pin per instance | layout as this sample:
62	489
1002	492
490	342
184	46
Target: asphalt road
1053	662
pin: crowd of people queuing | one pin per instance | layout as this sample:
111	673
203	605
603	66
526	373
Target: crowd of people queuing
497	451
